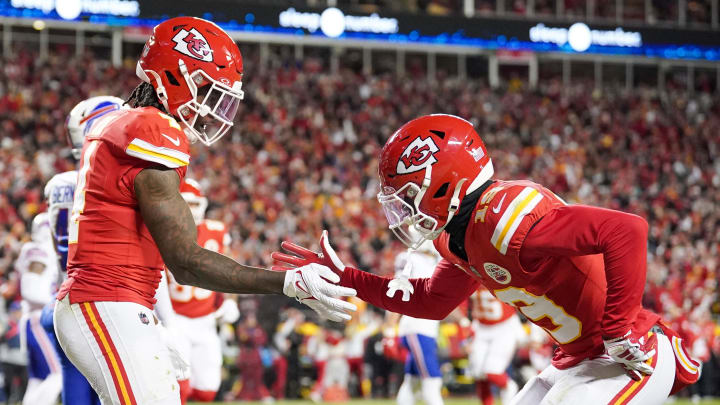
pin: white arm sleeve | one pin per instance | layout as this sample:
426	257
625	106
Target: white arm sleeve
163	306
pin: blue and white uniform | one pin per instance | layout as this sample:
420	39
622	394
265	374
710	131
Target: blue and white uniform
419	336
59	192
38	270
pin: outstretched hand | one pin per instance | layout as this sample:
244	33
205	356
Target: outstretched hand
300	256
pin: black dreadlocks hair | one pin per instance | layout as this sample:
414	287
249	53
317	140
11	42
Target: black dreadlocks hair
144	96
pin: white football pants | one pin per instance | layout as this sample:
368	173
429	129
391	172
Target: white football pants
601	381
120	350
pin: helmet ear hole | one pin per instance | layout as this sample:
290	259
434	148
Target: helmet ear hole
442	190
171	79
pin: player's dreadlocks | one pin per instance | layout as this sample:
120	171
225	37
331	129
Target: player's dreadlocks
144	96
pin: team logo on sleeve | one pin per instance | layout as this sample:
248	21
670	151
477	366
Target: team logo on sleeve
193	44
497	273
417	156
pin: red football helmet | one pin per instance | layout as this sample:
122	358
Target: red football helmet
192	194
196	70
426	168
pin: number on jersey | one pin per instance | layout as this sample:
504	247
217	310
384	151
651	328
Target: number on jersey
564	329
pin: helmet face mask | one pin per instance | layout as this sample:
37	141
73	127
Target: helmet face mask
209	114
410	225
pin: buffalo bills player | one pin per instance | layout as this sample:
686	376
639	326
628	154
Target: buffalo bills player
129	221
577	271
38	275
59	193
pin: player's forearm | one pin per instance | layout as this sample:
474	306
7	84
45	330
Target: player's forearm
213	271
172	227
428	301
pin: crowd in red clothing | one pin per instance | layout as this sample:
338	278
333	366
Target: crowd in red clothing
303	157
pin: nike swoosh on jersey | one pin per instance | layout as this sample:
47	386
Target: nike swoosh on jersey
496	209
175	141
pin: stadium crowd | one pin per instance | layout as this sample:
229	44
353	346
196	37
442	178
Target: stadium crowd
303	158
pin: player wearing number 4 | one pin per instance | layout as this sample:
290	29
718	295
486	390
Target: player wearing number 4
129	221
577	271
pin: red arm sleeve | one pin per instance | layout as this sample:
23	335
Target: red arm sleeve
576	230
434	297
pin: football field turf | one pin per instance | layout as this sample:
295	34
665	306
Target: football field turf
448	401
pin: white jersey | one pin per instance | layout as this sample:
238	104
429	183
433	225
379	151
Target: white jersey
36	289
423	265
59	192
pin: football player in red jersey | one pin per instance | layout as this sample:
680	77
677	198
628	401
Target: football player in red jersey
577	271
129	220
495	329
199	310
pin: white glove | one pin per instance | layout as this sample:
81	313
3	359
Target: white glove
313	285
228	312
181	365
400	283
627	351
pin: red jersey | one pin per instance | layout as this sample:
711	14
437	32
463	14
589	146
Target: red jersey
194	302
112	256
488	310
576	271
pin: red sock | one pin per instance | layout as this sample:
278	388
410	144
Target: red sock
203	396
185	390
483	392
500	380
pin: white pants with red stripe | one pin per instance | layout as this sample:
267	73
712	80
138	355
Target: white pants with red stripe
602	381
200	344
120	350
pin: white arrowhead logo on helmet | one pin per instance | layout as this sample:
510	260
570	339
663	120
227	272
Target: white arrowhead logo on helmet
193	44
417	156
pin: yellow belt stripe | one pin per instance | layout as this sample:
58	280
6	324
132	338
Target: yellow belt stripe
514	216
106	345
681	355
139	149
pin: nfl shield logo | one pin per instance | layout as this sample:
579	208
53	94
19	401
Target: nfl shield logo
144	318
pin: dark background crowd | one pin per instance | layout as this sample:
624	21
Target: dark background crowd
303	158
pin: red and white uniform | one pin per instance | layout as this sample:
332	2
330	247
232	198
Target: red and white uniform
197	320
495	329
103	317
576	271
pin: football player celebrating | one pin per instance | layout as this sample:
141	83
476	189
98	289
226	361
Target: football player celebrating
495	327
59	192
129	221
199	310
577	271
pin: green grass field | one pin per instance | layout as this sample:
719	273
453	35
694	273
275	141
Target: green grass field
448	401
